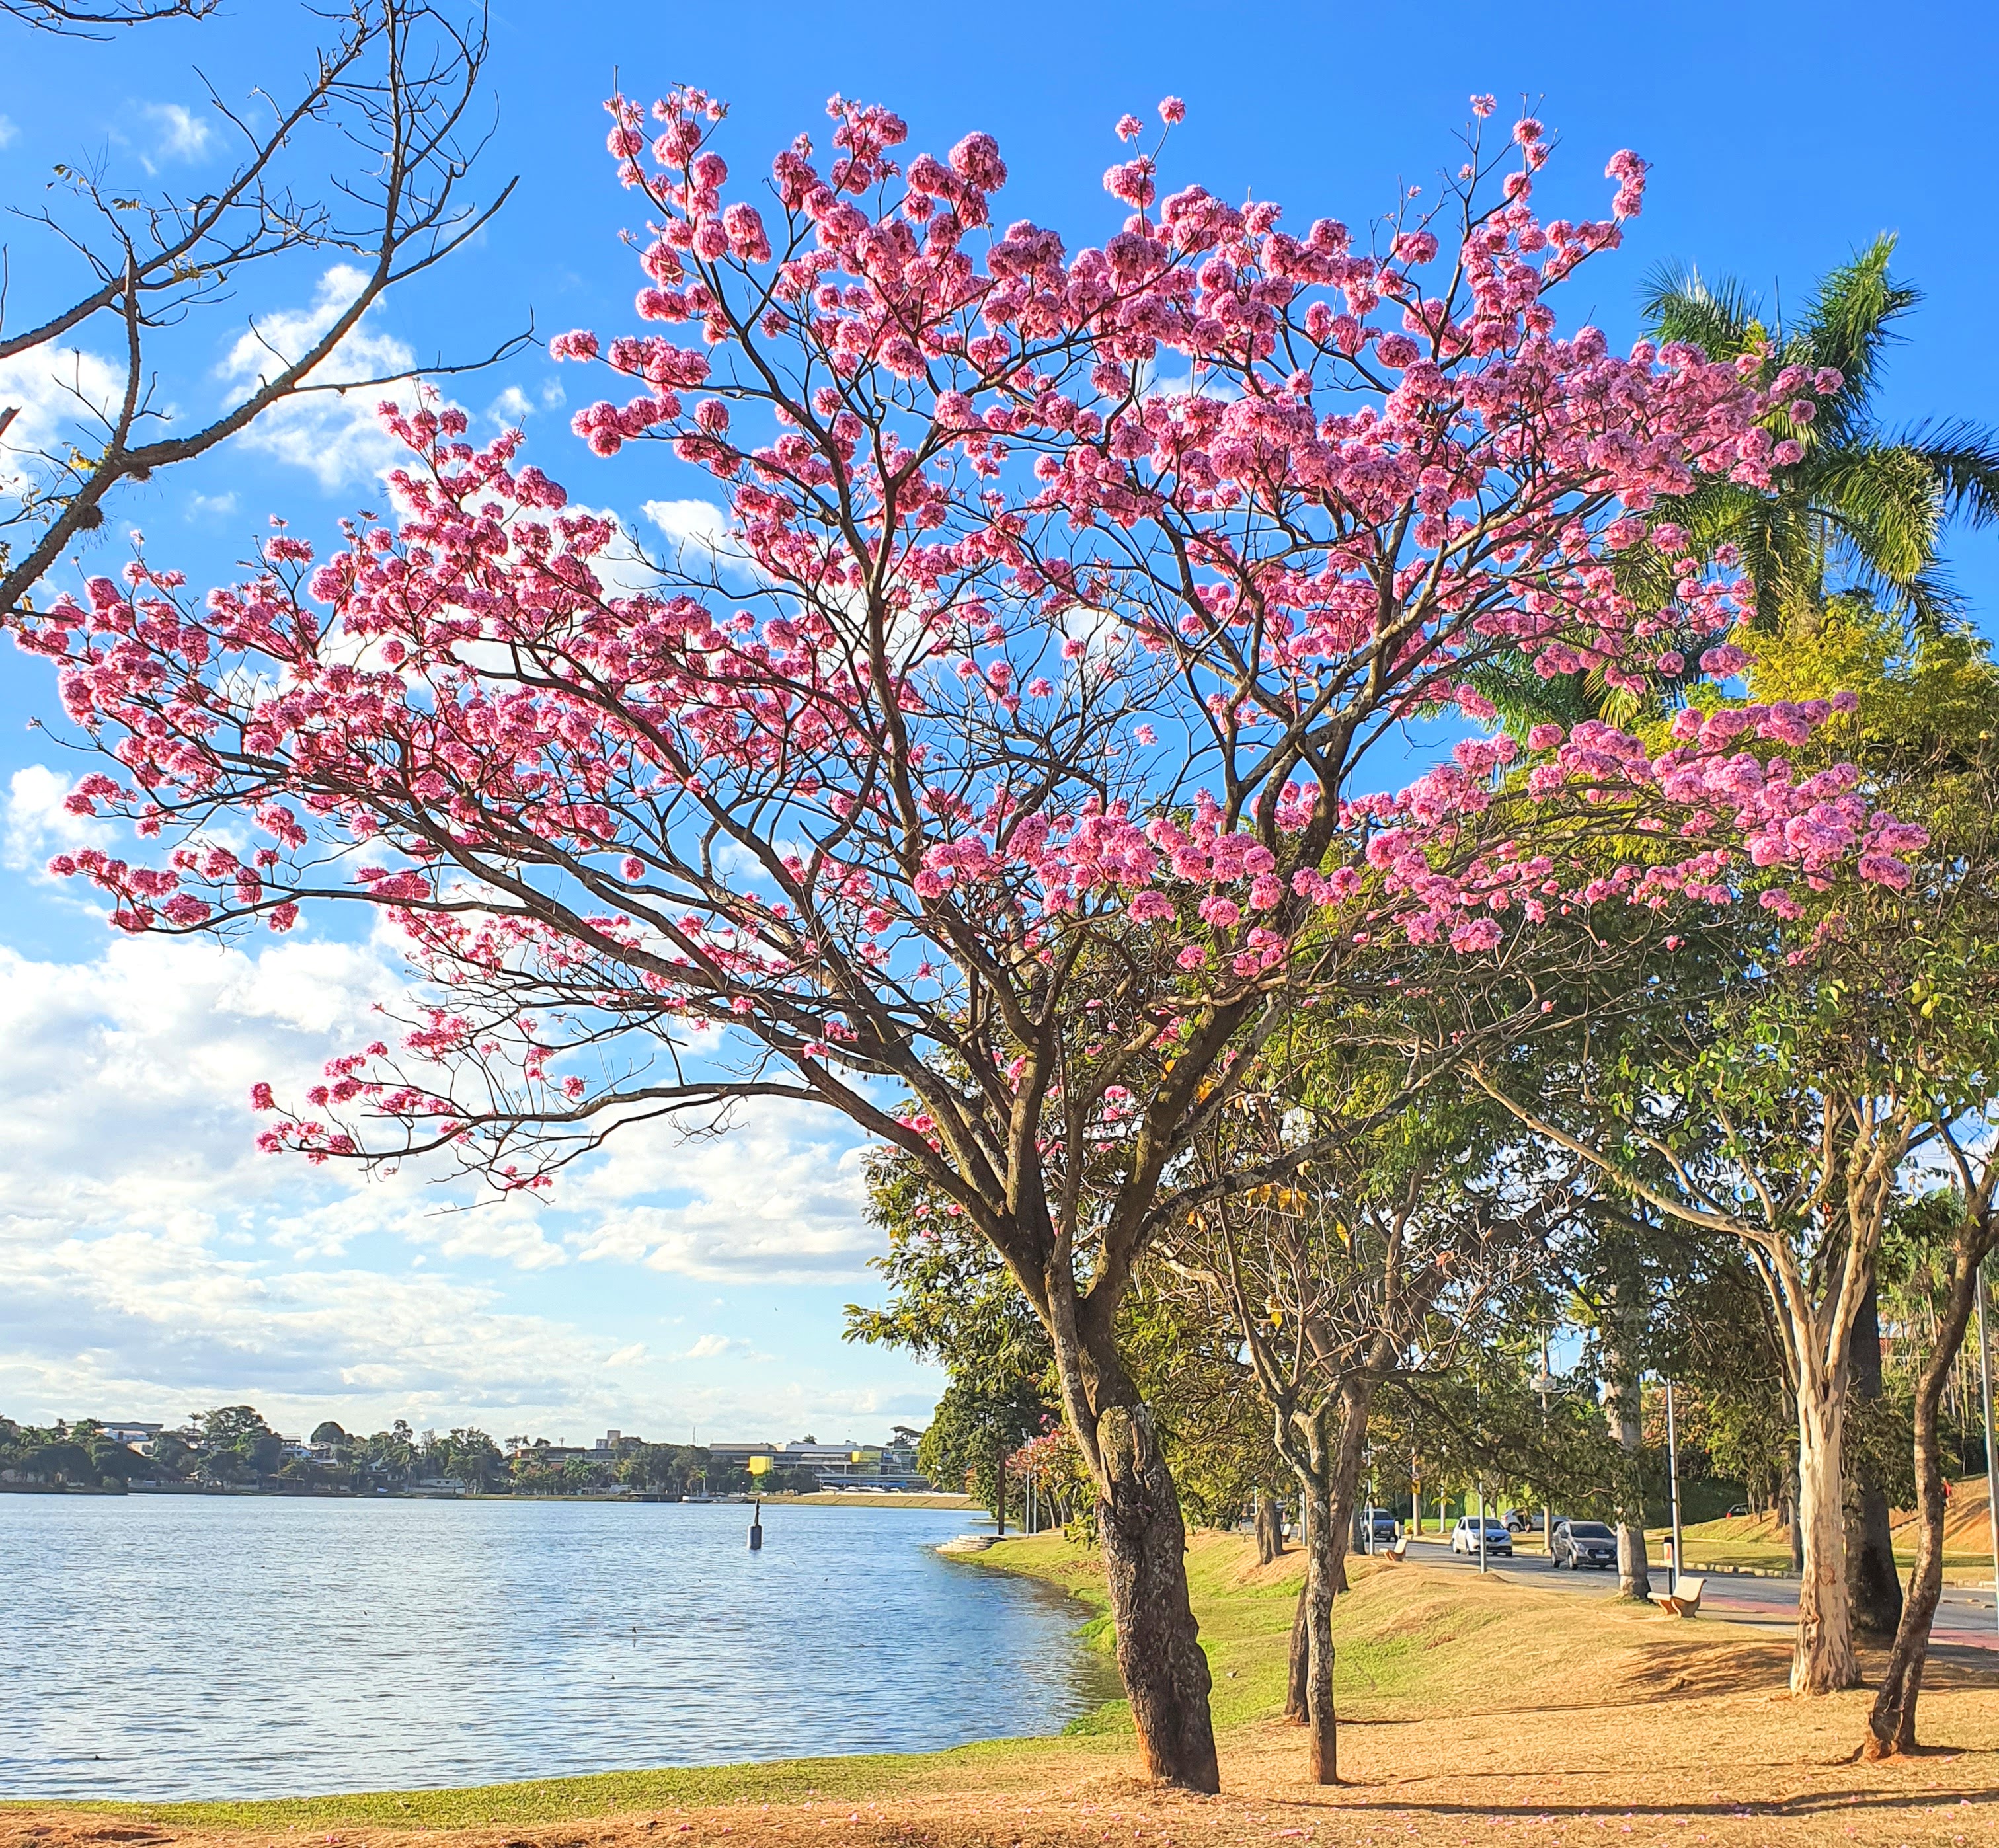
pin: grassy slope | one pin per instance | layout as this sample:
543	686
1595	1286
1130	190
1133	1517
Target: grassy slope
1407	1638
1761	1540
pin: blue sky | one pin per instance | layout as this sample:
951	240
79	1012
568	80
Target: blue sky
149	1263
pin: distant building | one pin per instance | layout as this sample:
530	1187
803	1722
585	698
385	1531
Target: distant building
134	1432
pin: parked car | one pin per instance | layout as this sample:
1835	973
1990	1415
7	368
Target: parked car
1464	1537
1579	1543
1737	1512
1384	1525
1523	1520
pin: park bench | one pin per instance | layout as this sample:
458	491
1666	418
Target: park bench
1684	1599
1395	1555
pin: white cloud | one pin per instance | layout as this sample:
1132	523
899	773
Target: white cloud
220	506
779	1197
37	825
337	436
50	390
510	407
9	133
152	1261
183	135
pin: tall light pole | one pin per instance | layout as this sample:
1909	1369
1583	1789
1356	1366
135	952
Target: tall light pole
1673	1476
1991	1473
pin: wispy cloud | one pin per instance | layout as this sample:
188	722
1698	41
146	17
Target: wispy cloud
183	135
9	133
337	436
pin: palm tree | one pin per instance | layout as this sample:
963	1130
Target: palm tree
1863	509
1860	516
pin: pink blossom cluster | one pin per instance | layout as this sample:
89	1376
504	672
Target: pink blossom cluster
1030	656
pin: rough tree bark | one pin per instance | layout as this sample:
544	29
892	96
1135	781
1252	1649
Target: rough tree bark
1871	1586
1327	1460
1159	1651
1891	1723
1270	1529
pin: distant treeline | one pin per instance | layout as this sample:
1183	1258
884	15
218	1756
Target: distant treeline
233	1447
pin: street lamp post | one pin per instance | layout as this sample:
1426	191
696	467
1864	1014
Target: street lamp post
1673	1476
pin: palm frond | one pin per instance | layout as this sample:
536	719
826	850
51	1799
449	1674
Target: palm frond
1721	318
1964	456
1849	324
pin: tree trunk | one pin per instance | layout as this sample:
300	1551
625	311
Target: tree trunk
1872	1586
1323	1534
1891	1724
1622	1408
1298	1669
1824	1660
1159	1655
1270	1529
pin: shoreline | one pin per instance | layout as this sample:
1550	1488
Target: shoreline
865	1498
1462	1701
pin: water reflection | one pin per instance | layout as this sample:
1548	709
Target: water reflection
167	1647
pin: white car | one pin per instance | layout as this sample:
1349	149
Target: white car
1464	1537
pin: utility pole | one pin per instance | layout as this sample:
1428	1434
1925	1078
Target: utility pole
1673	1476
1991	1473
1481	1526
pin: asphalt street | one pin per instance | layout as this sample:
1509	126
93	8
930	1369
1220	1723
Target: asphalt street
1967	1619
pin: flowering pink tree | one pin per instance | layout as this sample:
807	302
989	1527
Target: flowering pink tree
995	781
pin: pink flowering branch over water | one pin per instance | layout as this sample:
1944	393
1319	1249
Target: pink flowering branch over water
1008	756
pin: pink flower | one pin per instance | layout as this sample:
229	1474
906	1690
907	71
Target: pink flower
1479	933
1545	737
580	344
976	161
1129	128
1192	956
1151	908
1484	105
1223	913
1172	111
261	1098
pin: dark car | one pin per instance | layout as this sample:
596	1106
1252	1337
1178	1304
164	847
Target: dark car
1384	1525
1579	1543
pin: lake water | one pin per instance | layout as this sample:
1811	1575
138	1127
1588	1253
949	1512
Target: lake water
177	1646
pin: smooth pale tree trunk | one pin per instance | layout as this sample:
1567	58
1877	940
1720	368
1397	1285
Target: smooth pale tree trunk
1823	1660
1872	1586
1622	1408
1891	1724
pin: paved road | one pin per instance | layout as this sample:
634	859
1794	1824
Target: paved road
1967	1619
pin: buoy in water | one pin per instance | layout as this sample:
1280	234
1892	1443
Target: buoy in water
757	1529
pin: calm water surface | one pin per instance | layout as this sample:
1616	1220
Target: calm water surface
174	1646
